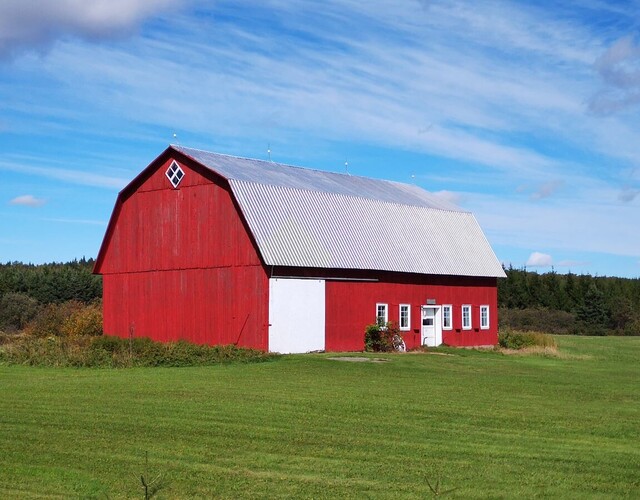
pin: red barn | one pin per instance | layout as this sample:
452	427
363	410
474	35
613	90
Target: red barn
217	249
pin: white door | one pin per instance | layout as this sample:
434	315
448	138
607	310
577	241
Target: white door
296	315
431	328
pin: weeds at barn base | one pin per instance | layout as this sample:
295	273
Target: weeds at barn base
115	352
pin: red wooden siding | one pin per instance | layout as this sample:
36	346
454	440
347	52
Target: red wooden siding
351	305
195	226
179	263
207	306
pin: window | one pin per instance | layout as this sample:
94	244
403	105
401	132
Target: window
484	317
382	314
466	317
447	320
175	174
405	317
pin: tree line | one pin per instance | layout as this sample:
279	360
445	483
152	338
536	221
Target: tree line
569	303
26	290
549	302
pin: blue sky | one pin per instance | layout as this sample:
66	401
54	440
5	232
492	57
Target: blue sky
527	115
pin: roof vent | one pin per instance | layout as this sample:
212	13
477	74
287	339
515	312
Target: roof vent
175	174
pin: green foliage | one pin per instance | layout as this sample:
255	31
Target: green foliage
544	320
52	283
591	305
16	311
106	352
594	314
385	338
41	298
519	340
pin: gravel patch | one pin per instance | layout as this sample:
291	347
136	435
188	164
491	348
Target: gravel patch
358	359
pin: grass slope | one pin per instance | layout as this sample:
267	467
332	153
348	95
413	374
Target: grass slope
304	426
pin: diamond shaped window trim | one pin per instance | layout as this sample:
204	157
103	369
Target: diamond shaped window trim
175	174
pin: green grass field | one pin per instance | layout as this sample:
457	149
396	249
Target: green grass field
486	424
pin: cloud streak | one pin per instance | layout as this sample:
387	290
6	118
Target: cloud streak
28	200
71	176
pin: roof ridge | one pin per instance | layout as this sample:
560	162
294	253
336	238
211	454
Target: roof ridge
298	167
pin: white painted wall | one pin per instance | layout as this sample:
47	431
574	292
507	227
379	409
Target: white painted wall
296	315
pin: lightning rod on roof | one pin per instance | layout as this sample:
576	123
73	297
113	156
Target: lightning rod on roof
346	167
269	151
175	138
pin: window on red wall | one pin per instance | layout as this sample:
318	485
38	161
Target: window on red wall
447	317
466	317
405	317
484	317
382	314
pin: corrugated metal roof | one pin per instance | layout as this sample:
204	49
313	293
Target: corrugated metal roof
277	174
310	218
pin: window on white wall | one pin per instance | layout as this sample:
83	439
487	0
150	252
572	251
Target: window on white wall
382	314
484	317
466	317
447	318
405	317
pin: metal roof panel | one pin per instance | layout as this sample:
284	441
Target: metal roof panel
310	218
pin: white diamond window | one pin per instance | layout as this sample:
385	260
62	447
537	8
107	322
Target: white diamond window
174	174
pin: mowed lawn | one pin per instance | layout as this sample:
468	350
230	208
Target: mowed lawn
304	426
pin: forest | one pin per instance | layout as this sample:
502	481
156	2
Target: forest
569	303
549	302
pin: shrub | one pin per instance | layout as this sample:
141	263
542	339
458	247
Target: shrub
106	351
632	328
50	319
540	320
382	338
16	310
84	320
509	339
70	318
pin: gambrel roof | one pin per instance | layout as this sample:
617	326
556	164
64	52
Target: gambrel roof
301	217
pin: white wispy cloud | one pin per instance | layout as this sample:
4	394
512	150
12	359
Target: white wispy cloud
591	221
28	200
72	176
308	90
572	263
539	259
77	221
449	196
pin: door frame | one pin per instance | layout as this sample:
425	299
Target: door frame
437	323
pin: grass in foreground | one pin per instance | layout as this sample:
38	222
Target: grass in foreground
486	424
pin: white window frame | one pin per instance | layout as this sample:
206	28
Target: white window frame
175	174
484	326
469	326
448	307
386	313
407	327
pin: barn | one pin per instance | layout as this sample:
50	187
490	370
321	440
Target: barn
217	249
